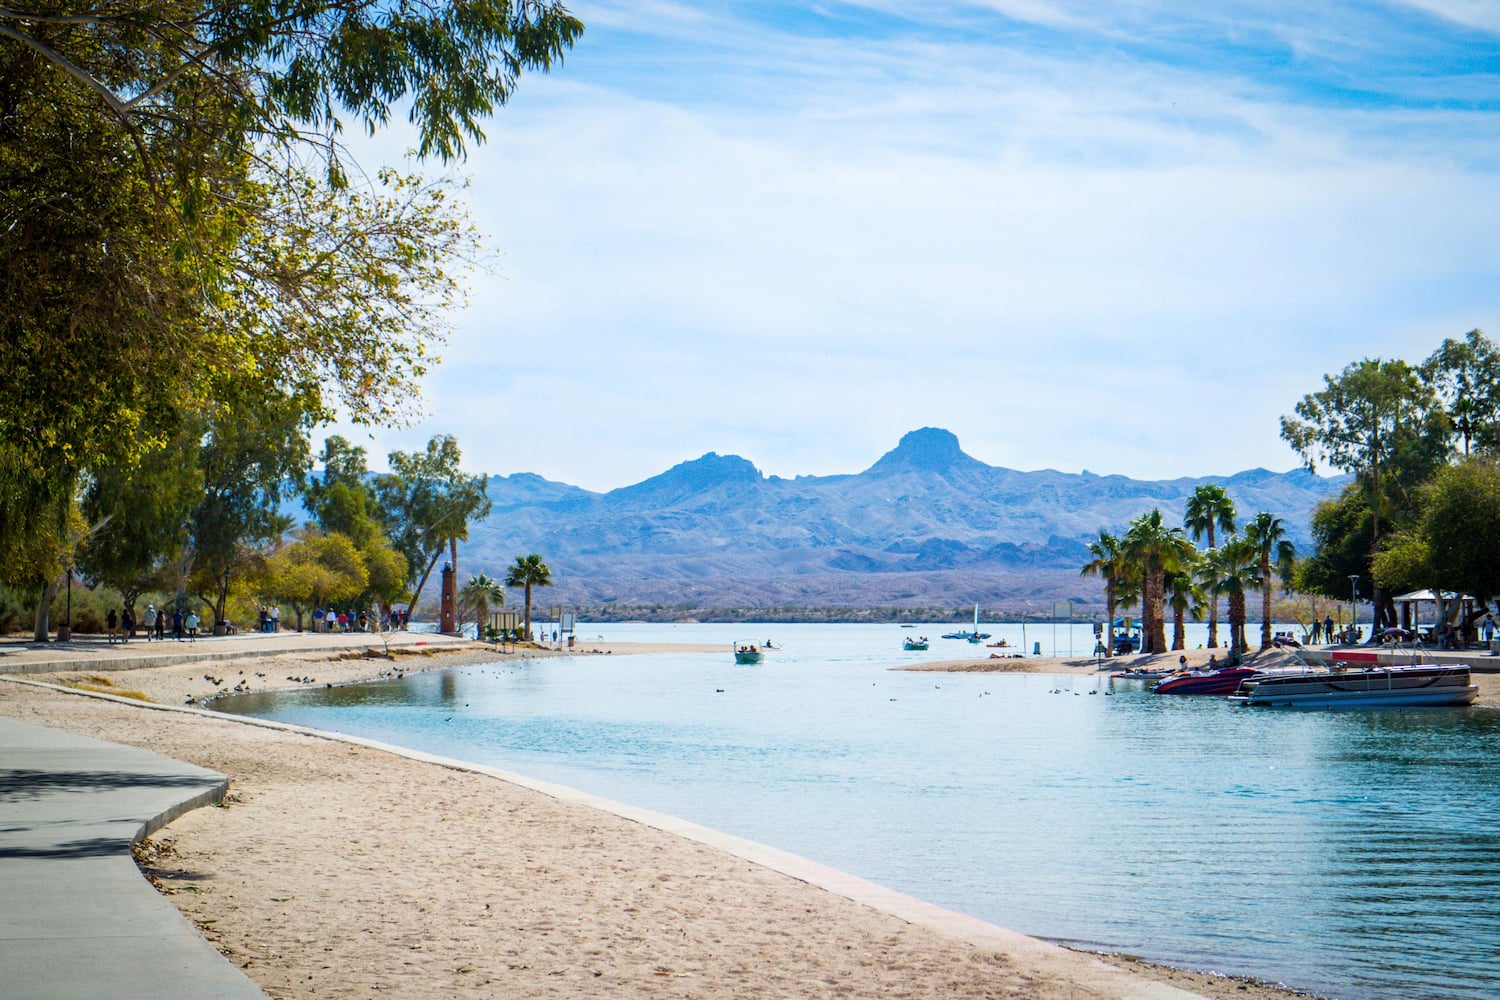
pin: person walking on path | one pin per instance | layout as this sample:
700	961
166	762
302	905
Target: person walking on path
192	626
127	624
177	624
110	622
1489	629
275	618
1328	630
150	620
161	625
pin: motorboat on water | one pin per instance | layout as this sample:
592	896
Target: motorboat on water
1405	686
748	652
1221	680
917	644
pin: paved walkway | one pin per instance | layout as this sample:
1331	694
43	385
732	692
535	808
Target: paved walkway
77	919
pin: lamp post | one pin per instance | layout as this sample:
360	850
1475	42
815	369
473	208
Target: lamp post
1353	604
66	632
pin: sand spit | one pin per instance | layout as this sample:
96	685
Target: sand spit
338	870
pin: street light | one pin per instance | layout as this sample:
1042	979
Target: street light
1353	604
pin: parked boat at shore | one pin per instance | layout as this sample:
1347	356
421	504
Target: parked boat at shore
1223	680
1429	684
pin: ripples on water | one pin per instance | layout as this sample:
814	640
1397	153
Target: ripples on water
1352	853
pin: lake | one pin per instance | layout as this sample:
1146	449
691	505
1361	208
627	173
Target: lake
1353	853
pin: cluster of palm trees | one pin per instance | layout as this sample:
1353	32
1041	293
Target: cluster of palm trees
482	591
1160	565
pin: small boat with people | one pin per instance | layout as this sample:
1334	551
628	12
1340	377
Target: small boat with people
914	644
749	652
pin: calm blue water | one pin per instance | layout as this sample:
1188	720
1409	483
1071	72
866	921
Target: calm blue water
1356	854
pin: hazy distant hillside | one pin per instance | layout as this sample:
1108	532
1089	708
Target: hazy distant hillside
927	524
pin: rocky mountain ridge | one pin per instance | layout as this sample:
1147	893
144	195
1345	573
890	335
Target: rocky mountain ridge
925	524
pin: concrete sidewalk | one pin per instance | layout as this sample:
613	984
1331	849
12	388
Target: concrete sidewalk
77	918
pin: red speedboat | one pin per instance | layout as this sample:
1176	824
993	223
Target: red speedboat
1222	681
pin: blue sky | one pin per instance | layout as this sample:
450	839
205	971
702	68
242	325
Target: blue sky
1117	236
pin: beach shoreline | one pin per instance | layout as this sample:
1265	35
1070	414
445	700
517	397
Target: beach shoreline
234	895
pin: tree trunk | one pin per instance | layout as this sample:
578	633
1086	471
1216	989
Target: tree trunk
528	612
1265	604
44	610
1179	628
1213	600
1109	625
1237	643
1156	638
420	584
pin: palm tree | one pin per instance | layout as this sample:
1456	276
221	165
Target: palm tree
477	595
529	571
1229	571
1208	508
1186	597
1155	550
1109	565
1268	536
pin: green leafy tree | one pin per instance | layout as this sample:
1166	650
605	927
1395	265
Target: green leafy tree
1209	508
315	570
250	453
1381	422
1465	374
284	72
162	233
1267	535
428	502
529	571
1455	546
1154	550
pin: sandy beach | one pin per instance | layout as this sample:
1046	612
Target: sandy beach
338	870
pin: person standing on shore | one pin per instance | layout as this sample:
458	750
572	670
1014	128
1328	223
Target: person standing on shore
275	618
110	623
127	624
1328	630
192	626
177	624
150	620
161	624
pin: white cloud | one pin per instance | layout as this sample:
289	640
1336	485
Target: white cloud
1070	262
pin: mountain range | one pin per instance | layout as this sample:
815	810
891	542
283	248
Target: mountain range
927	525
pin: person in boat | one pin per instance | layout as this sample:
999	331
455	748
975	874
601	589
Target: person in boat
1213	661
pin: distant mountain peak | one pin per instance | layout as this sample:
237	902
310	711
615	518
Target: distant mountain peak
716	468
930	449
695	476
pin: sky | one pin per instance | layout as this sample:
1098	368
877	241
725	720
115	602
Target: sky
1125	236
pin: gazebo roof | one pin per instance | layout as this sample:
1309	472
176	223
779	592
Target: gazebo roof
1430	597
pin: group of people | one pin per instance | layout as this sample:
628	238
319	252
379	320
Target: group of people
269	618
329	620
158	624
